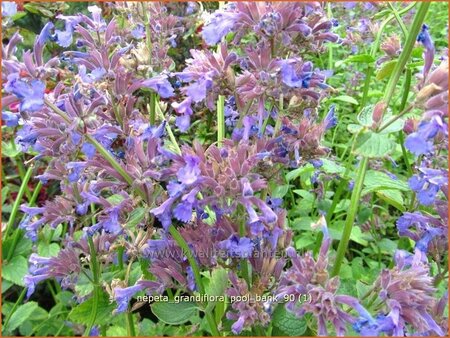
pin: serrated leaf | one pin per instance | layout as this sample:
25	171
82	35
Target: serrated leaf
174	313
373	145
288	322
331	167
82	313
22	313
386	69
393	197
9	150
377	180
217	285
346	99
15	270
365	116
354	128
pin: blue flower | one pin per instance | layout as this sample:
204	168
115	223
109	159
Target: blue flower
163	212
331	119
76	168
11	119
190	278
138	32
197	90
26	137
237	247
31	94
220	24
424	38
46	33
64	38
183	123
88	149
290	77
420	142
191	171
427	184
183	212
123	296
159	84
95	75
31	282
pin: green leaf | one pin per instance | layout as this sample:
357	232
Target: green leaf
136	217
15	270
22	314
174	313
360	58
82	313
115	199
287	322
48	250
354	128
280	191
9	149
292	175
393	197
116	331
331	167
377	180
365	116
217	285
346	99
386	69
373	145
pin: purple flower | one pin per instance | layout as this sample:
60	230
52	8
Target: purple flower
220	23
95	75
331	119
191	171
76	168
183	212
183	123
428	183
138	32
122	296
11	119
64	38
425	39
292	78
237	247
420	142
31	94
159	84
89	150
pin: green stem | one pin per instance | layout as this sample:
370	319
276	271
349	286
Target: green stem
168	130
399	19
354	204
96	292
220	120
406	52
31	202
16	205
14	308
130	325
152	108
198	279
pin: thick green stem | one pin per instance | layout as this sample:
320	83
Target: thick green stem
354	204
96	280
220	119
16	205
406	52
196	271
130	325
